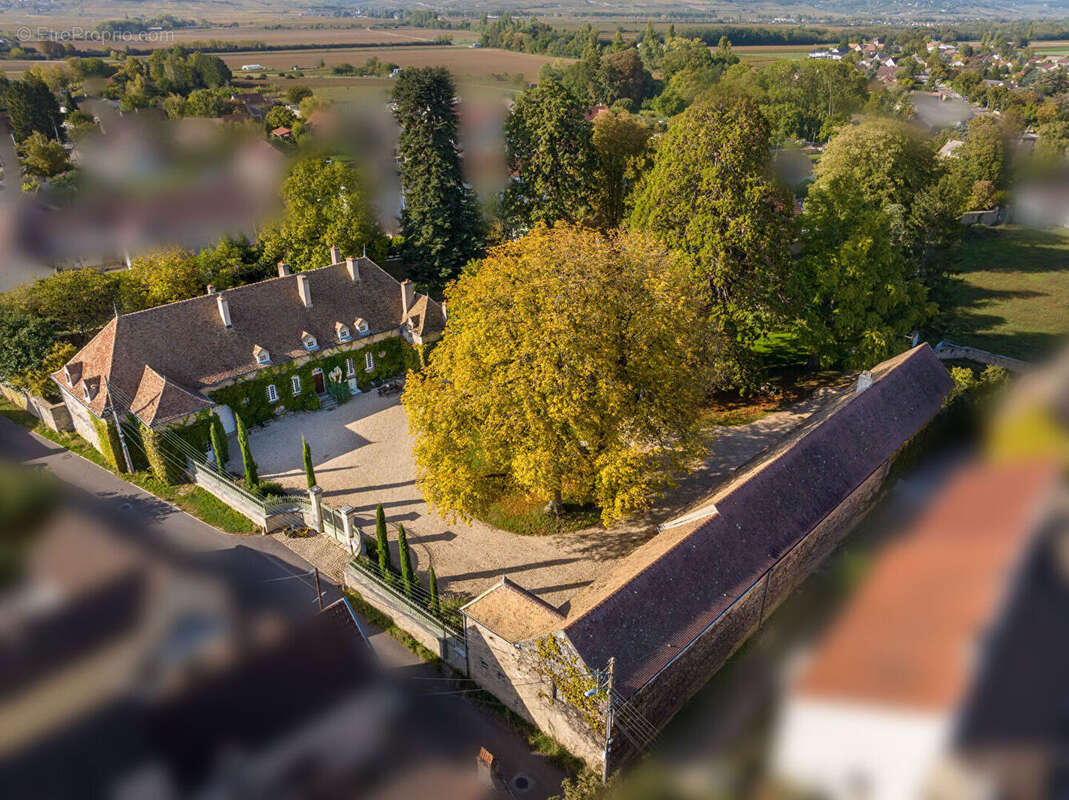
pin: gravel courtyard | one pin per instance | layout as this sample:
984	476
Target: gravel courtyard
362	453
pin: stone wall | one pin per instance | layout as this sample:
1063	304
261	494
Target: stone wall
54	415
660	699
82	419
957	352
509	672
424	628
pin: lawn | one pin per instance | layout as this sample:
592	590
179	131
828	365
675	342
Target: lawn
1012	291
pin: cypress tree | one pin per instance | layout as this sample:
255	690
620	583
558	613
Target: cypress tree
219	445
252	479
432	583
309	473
383	544
406	561
441	222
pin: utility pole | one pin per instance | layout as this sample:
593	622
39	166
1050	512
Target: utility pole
609	681
319	594
118	428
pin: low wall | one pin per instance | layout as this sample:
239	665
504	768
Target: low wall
207	479
988	217
955	352
424	628
54	415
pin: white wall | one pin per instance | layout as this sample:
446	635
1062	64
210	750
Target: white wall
844	750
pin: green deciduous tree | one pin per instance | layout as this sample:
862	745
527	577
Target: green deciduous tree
441	222
621	142
164	276
325	202
25	342
78	301
252	479
549	151
857	294
572	371
710	194
306	455
43	157
623	76
219	443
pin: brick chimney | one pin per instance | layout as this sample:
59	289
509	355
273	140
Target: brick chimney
408	295
335	254
283	269
353	267
224	311
304	289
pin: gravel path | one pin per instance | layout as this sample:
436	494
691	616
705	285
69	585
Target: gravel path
363	456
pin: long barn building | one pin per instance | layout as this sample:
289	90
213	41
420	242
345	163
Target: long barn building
605	674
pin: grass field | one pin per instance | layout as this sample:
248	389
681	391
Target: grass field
766	54
1013	291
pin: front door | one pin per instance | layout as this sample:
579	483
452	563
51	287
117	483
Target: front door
320	385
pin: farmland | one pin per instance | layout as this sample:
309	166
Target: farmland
463	62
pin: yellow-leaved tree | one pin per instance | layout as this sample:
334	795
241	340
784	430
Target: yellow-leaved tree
572	369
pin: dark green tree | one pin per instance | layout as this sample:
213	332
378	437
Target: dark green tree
549	150
710	195
432	585
441	221
306	454
219	445
25	341
407	577
252	479
32	107
382	543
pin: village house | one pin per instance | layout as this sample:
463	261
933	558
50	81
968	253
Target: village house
295	342
606	671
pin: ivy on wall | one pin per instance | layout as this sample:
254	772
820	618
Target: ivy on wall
574	684
110	446
392	356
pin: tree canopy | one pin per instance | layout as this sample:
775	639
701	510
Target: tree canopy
855	288
571	370
325	202
710	195
441	221
549	151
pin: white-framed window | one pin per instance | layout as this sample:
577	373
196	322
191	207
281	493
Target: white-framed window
350	368
361	326
295	384
272	393
262	357
369	361
309	342
343	334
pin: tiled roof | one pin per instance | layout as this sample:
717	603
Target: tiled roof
513	613
189	349
909	636
158	399
660	598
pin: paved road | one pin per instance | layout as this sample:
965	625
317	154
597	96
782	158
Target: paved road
263	573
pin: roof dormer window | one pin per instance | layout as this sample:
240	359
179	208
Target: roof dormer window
361	326
262	356
342	332
309	341
85	392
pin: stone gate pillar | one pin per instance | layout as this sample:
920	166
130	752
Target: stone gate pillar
352	535
315	497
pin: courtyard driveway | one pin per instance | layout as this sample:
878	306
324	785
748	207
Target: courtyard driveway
362	453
